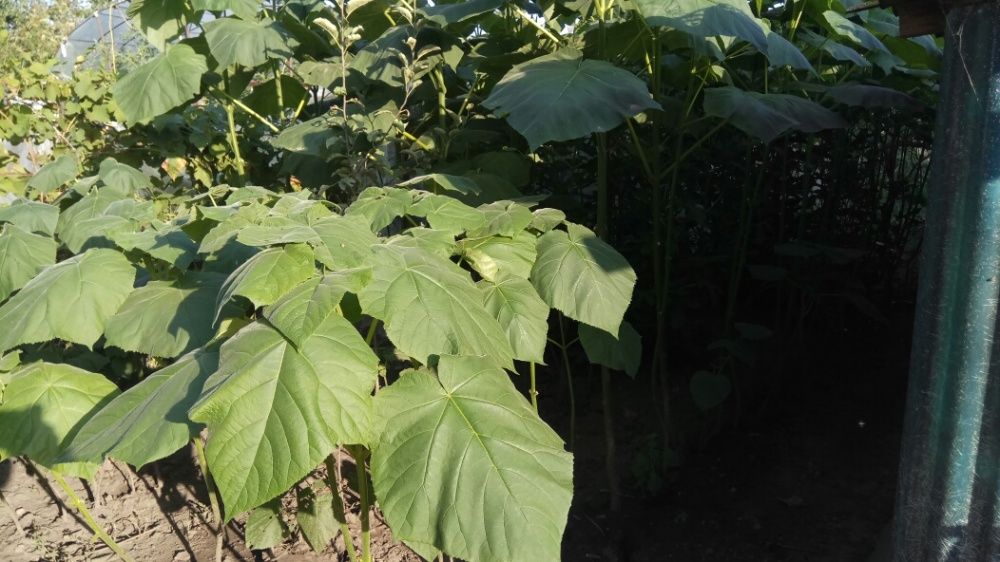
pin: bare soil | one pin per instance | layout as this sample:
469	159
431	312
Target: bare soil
160	514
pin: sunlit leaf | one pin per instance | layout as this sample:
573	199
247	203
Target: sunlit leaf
581	275
44	405
168	80
88	288
456	446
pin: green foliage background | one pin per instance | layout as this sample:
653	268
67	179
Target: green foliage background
377	224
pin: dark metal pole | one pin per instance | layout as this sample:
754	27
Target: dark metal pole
948	499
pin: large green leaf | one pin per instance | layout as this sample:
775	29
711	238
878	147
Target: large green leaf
308	137
706	18
159	20
381	205
267	276
465	464
55	174
246	9
307	306
521	313
71	300
581	275
447	214
264	97
447	182
43	406
871	96
561	97
167	318
345	242
436	242
246	43
265	527
281	402
98	218
379	61
431	307
833	48
31	216
767	116
167	243
492	254
856	33
22	256
314	514
150	420
505	218
168	80
623	353
445	14
122	179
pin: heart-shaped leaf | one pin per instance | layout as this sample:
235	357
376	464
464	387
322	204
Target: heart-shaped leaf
463	463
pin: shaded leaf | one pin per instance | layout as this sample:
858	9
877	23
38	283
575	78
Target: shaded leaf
709	389
265	528
167	318
561	97
157	406
767	116
623	353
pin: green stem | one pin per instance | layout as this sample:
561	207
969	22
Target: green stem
213	498
278	89
534	389
360	456
569	382
637	145
91	522
372	328
234	142
248	110
697	144
338	508
527	17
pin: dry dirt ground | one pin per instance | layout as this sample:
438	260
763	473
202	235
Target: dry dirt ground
160	514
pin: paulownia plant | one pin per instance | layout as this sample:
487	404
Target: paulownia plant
285	329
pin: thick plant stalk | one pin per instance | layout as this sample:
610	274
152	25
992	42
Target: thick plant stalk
360	456
608	414
234	143
213	498
563	345
91	522
534	388
338	508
